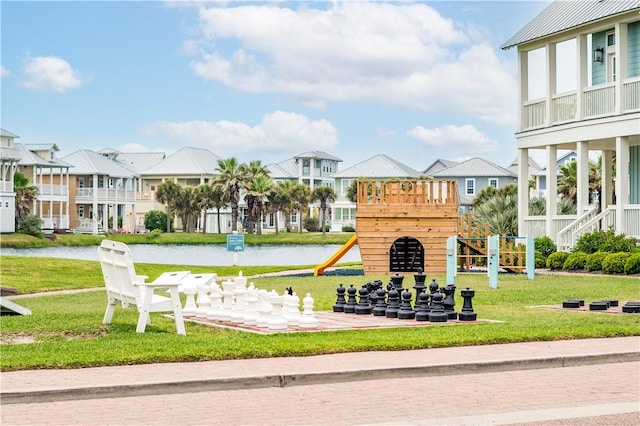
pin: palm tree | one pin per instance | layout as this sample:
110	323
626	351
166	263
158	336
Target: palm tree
211	197
25	195
352	191
187	205
258	189
301	194
253	171
284	202
501	213
324	194
166	194
568	181
231	178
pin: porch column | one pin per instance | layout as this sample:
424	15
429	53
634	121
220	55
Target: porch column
551	88
552	190
523	189
606	190
582	157
94	203
622	181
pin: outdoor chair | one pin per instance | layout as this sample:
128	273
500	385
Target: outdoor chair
125	286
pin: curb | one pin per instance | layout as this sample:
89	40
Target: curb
302	379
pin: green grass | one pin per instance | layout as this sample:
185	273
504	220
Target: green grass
67	240
68	332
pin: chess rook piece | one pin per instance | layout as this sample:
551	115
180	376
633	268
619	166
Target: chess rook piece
364	305
340	301
467	314
406	311
437	313
350	306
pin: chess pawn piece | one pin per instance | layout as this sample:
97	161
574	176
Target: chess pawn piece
422	307
364	305
240	281
394	303
340	301
251	314
216	302
449	301
308	318
276	320
406	312
380	307
239	307
292	312
203	301
190	306
264	309
419	286
437	313
350	306
227	301
467	313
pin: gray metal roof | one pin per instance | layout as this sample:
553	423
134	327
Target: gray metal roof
186	161
87	162
439	164
287	169
563	15
140	161
380	166
6	134
474	167
319	155
29	158
42	147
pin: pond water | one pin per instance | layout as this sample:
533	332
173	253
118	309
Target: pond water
204	255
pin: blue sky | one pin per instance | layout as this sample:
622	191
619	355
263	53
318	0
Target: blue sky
265	80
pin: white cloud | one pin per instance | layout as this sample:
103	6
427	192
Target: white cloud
51	74
4	72
401	53
455	138
279	132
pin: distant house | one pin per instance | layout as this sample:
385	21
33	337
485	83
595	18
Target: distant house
9	157
472	176
343	211
600	113
438	165
541	175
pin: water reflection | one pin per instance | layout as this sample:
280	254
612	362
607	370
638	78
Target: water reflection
204	255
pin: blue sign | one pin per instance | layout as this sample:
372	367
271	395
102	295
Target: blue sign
235	242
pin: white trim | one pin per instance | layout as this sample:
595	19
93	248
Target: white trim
497	185
466	186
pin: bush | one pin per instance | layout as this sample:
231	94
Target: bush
154	234
30	225
156	219
575	261
594	261
556	260
614	263
545	246
606	241
541	261
348	228
632	265
311	224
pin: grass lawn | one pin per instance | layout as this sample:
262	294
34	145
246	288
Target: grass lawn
68	332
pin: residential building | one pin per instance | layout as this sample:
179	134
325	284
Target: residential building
541	175
438	165
472	176
9	157
602	113
343	210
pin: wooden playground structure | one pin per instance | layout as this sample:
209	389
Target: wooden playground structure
403	225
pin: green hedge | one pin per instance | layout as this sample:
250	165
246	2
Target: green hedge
594	261
615	262
556	260
575	261
632	265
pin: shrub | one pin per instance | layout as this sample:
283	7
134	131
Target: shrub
614	263
545	246
632	265
154	234
594	261
348	228
310	224
606	241
30	225
575	261
541	261
156	219
556	260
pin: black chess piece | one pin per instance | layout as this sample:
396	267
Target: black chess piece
380	307
433	287
419	286
449	301
406	311
396	281
350	306
437	313
364	305
467	314
422	307
340	301
289	291
394	303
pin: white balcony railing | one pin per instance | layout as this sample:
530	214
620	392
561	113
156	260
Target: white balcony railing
599	100
564	107
631	89
53	190
6	186
104	195
534	114
632	220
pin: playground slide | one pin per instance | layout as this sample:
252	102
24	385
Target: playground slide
319	270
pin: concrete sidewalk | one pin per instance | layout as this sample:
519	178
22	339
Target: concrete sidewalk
154	379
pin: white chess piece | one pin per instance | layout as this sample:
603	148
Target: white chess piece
216	302
308	318
203	301
190	306
276	320
292	312
251	299
264	309
227	303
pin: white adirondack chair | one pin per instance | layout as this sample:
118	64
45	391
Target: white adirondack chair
125	286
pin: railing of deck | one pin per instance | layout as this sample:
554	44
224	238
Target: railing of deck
567	236
408	191
632	220
534	114
564	107
599	100
55	189
631	89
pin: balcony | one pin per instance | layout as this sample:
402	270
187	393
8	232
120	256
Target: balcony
597	101
6	186
104	195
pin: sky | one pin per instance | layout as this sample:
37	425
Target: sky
415	80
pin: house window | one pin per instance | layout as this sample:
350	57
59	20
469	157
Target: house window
470	186
493	182
346	183
80	182
81	212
